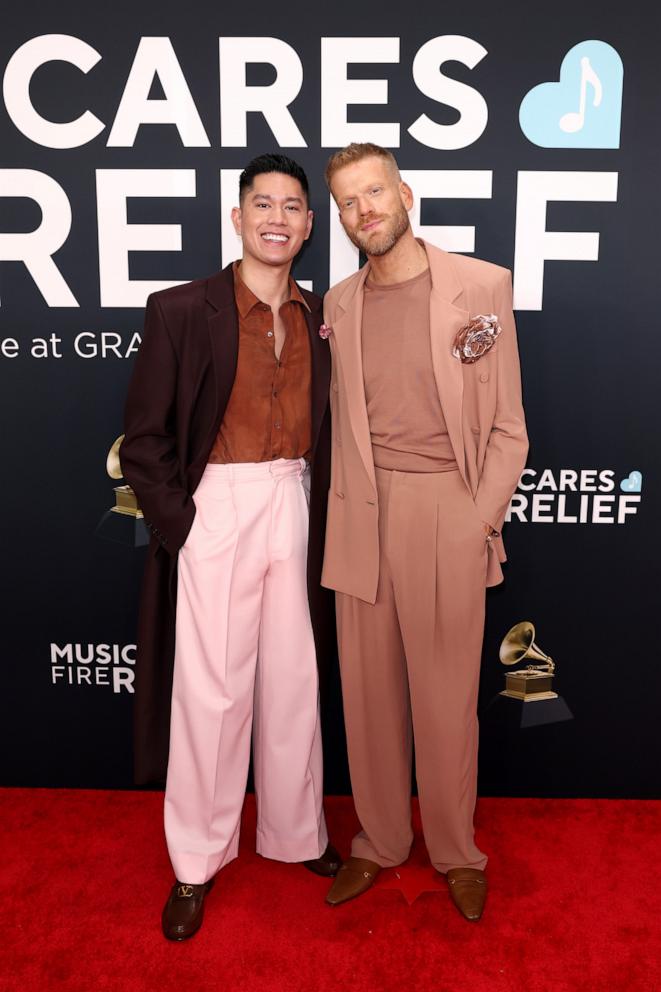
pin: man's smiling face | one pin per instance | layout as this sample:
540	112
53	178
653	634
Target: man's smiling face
273	219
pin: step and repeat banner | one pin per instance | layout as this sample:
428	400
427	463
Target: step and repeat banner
529	141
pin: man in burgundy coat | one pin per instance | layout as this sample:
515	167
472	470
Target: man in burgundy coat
227	447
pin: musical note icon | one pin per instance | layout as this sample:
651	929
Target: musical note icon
589	86
573	121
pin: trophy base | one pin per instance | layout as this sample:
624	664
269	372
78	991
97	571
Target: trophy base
127	512
126	502
529	697
123	528
548	708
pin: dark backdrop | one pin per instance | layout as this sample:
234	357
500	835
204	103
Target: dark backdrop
589	356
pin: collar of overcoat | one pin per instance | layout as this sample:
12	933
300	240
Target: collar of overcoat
446	316
223	327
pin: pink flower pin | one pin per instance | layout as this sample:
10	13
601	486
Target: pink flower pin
476	338
325	331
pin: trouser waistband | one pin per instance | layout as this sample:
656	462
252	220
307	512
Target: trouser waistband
250	471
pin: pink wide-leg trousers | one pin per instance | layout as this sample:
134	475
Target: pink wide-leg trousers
244	662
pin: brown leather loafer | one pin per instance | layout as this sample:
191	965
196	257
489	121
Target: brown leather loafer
184	910
468	889
327	865
355	876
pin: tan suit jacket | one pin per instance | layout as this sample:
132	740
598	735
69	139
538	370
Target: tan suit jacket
481	404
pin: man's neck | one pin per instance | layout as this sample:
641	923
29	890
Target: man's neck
270	283
405	260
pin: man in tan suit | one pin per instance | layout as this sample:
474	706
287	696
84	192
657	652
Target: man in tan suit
429	440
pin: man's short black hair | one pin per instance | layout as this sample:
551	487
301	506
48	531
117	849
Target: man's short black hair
272	163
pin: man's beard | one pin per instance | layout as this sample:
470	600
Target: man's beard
380	243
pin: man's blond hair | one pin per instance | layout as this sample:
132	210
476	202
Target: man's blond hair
355	152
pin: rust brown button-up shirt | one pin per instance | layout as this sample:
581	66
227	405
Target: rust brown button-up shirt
268	415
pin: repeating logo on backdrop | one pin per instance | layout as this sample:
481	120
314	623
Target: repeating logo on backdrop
583	108
106	665
576	496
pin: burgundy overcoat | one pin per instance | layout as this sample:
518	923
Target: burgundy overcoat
181	383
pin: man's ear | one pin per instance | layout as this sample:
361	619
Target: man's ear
406	194
308	229
236	219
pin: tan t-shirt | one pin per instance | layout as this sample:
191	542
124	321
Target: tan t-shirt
406	420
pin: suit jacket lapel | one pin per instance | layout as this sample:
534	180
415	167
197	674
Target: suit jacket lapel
320	357
446	317
223	330
348	343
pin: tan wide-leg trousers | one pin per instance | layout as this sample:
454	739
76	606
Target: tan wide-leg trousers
410	668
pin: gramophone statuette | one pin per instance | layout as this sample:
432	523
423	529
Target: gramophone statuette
535	681
125	499
124	522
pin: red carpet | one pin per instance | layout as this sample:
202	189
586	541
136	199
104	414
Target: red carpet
574	906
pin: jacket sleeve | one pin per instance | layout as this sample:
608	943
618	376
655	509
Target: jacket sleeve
328	309
148	453
507	447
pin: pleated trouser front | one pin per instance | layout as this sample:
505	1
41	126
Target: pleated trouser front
245	664
410	670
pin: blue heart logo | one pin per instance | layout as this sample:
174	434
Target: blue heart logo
583	109
633	482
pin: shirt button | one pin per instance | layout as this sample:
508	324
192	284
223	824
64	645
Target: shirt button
484	376
275	392
277	425
269	334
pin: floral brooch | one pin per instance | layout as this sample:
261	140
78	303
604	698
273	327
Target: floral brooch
325	331
476	338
